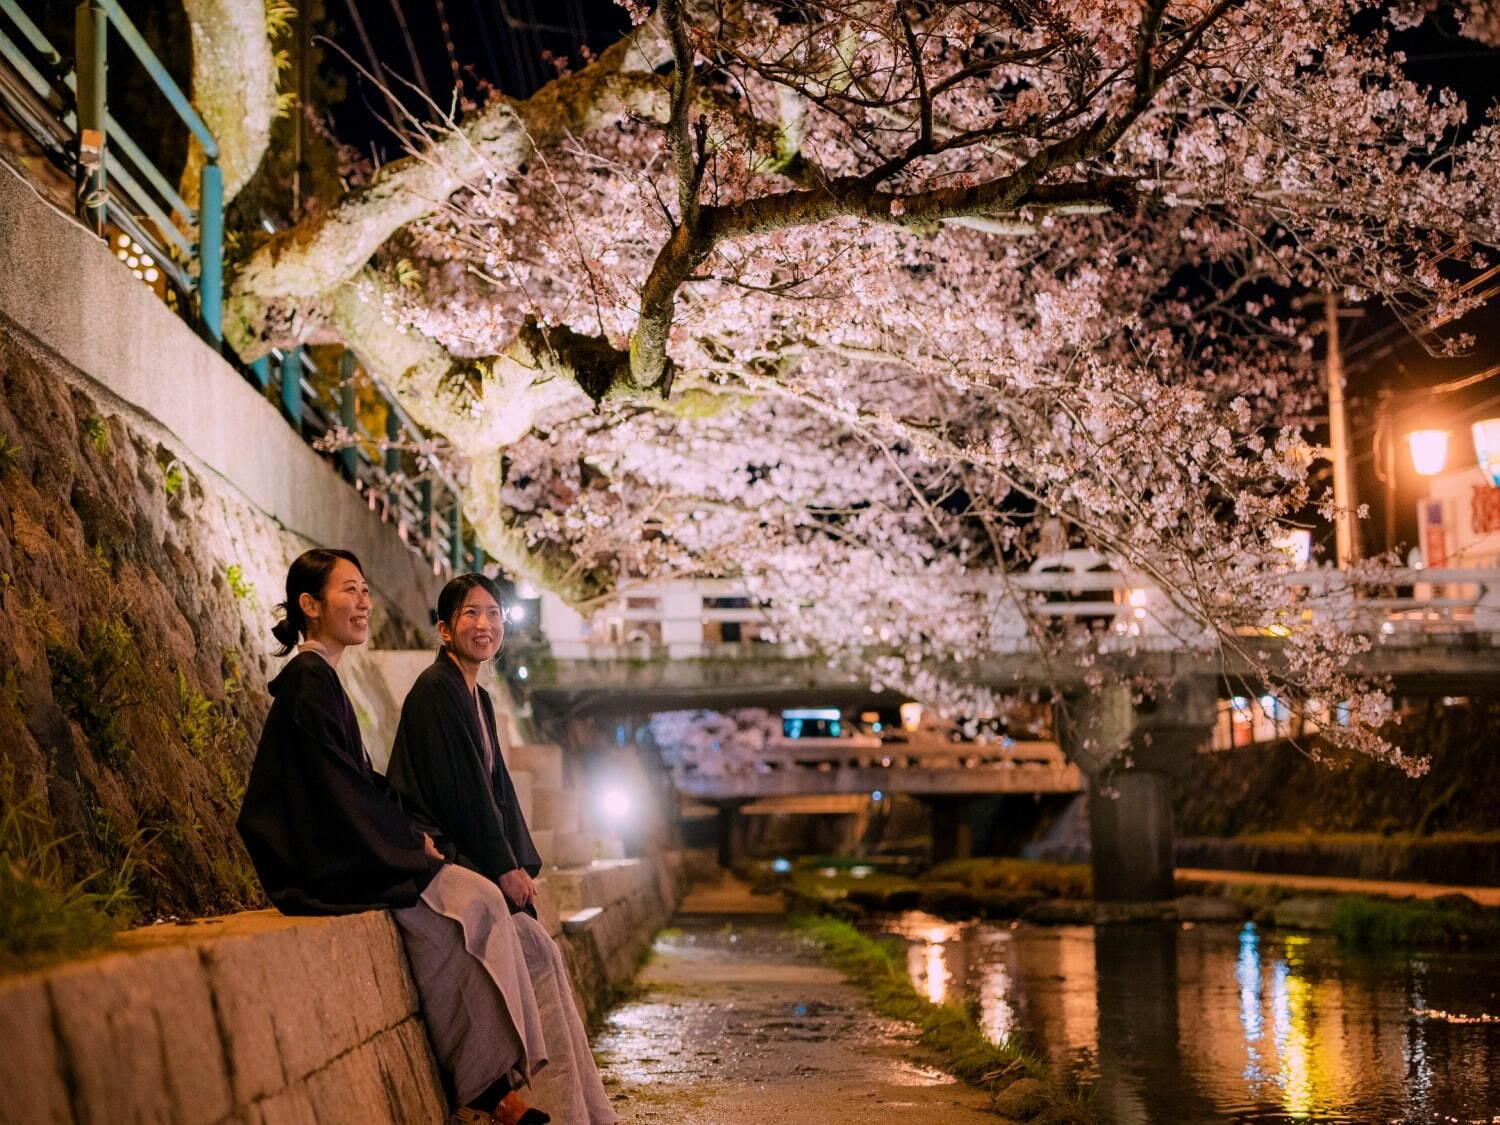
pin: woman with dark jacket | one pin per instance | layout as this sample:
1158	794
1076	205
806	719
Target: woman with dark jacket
447	765
327	835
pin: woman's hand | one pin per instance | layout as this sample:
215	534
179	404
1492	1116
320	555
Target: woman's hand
431	849
517	887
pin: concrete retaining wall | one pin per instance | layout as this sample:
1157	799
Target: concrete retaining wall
63	287
1423	861
263	1020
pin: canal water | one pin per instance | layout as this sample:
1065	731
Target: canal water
1204	1024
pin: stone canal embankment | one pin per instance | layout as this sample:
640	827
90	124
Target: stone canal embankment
1438	859
260	1019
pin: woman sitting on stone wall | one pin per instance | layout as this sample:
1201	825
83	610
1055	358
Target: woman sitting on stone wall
447	767
328	836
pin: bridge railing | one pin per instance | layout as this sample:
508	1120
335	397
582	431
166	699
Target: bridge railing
804	766
717	619
872	753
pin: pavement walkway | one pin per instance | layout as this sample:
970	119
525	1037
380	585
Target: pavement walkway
738	1022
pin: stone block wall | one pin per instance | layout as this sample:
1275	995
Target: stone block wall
253	1018
150	502
608	911
259	1019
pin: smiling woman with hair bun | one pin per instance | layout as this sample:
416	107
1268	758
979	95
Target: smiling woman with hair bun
328	835
325	834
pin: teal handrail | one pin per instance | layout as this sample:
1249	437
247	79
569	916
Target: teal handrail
211	182
411	499
164	81
116	131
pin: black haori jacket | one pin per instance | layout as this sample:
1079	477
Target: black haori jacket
437	766
326	833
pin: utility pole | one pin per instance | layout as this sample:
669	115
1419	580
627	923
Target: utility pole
1345	540
1385	460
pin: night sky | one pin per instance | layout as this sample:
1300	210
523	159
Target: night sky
422	45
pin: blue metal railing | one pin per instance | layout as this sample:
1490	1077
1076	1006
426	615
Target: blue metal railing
67	112
422	499
78	100
99	16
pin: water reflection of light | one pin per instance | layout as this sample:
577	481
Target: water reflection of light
937	973
926	961
997	1015
1247	971
1414	1044
1291	1016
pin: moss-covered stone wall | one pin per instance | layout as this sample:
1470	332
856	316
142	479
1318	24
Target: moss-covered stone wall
135	603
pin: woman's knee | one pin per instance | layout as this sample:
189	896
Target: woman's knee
541	952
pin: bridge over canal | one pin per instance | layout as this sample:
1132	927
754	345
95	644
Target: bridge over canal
705	645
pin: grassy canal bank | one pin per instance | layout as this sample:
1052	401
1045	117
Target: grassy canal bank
1020	1083
1046	893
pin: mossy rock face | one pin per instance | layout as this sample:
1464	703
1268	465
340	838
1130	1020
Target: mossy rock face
1025	1098
133	679
1281	803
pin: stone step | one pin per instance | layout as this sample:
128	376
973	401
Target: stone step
600	884
546	907
573	849
506	721
544	762
578	923
525	794
557	809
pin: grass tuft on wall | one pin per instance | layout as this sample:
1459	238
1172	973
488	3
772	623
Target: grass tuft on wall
44	915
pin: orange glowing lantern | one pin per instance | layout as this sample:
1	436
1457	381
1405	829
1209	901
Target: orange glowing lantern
1429	451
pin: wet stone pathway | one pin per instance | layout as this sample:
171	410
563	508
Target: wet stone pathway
738	1022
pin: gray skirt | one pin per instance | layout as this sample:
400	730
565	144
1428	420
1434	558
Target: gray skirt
498	1001
568	1088
470	970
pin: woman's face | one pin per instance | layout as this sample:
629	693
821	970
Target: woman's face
342	616
477	629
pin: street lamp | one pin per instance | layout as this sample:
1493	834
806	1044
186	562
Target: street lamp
1487	448
1429	451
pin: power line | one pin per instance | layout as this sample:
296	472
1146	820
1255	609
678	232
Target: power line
411	49
375	68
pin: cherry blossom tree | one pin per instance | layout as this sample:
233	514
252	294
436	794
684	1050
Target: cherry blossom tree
846	297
